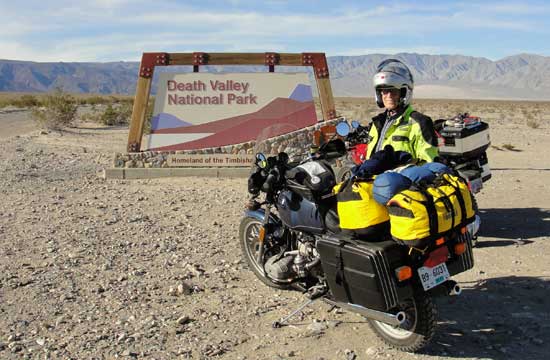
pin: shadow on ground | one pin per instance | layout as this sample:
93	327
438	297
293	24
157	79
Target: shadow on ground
517	225
500	318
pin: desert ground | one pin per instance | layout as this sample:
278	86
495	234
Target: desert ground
94	268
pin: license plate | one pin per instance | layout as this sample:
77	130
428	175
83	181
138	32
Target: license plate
431	277
476	185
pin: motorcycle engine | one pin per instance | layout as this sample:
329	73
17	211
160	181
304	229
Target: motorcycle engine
295	264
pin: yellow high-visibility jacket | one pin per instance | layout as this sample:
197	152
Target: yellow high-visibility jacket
412	132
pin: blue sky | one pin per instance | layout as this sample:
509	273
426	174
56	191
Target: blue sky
112	30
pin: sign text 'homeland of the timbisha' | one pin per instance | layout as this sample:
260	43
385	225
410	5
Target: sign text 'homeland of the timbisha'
204	110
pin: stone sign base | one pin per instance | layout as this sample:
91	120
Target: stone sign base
152	164
150	173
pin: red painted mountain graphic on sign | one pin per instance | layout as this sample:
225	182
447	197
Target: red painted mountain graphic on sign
243	128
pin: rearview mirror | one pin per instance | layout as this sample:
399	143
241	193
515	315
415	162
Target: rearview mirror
342	128
261	160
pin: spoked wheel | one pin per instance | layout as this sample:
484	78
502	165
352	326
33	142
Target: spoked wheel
249	232
418	328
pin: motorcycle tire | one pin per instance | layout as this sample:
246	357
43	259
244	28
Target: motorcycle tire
476	210
249	231
417	330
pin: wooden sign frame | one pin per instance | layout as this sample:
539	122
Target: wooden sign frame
150	60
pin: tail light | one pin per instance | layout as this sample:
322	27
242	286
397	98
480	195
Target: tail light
460	248
403	273
437	257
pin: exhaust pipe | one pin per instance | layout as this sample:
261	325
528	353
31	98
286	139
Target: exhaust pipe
456	290
453	289
387	318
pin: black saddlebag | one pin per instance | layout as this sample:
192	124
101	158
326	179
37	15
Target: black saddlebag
363	273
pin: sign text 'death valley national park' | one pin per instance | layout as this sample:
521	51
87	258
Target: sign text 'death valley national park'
203	110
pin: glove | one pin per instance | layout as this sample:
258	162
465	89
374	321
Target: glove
383	160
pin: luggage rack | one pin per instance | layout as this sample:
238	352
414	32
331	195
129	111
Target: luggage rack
463	121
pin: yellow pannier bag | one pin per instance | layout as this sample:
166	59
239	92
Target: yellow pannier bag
423	213
359	214
458	183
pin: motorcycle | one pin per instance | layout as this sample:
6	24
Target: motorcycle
291	240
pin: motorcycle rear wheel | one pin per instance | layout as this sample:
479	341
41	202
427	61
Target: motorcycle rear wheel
418	328
249	231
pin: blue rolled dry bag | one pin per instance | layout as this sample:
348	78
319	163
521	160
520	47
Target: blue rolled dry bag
388	184
418	174
437	168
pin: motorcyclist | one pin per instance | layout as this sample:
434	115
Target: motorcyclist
399	125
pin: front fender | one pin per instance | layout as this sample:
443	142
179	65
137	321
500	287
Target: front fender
260	216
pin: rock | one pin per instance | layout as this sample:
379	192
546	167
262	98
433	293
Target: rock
40	341
333	323
129	353
15	347
185	289
350	354
371	351
182	320
317	327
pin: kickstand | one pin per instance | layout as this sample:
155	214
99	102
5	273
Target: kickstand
314	294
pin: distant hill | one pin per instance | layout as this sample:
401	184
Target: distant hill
522	76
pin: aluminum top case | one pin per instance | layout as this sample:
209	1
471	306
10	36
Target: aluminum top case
465	142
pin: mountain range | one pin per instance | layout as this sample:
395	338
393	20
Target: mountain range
523	76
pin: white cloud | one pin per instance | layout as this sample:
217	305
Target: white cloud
122	29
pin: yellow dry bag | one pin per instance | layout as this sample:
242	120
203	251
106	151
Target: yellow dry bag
359	213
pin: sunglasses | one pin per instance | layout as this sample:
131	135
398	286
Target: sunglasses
390	91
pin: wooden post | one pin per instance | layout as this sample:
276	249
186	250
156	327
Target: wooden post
320	69
139	112
326	99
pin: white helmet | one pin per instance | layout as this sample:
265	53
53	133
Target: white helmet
392	73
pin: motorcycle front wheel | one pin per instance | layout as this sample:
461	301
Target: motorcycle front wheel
249	231
418	328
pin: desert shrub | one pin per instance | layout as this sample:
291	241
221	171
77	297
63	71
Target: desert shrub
117	114
533	124
109	116
58	110
96	100
94	115
5	102
26	101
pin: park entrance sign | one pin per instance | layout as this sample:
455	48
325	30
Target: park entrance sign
209	110
204	122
